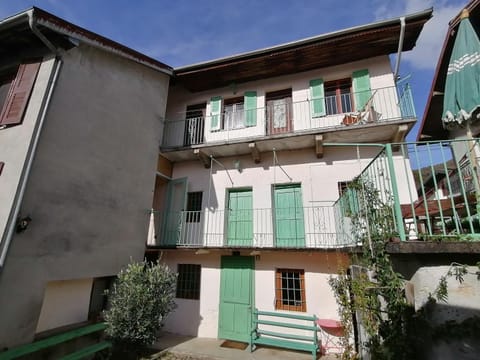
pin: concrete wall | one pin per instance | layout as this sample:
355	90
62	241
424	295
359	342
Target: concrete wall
90	186
200	317
65	302
463	303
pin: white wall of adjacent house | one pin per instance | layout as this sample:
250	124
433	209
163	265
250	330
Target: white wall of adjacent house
381	80
65	302
91	181
200	317
15	142
319	180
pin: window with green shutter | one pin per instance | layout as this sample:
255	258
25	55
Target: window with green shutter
361	88
250	108
215	112
318	97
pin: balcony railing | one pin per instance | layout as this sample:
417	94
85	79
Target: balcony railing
425	191
385	104
309	227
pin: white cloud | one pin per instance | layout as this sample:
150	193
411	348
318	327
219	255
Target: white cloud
427	50
425	55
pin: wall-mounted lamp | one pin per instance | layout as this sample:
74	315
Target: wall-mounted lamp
22	224
237	165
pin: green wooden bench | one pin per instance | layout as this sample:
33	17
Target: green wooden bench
39	345
275	337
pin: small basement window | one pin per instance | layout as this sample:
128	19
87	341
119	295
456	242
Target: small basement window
188	281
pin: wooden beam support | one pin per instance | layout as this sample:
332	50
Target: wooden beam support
255	153
319	146
399	136
204	158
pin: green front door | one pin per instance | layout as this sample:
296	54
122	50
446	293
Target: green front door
289	224
240	217
236	298
174	212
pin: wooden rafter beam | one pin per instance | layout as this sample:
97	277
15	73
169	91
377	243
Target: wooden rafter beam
255	153
319	146
202	157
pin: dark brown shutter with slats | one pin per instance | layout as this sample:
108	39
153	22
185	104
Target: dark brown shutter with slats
18	94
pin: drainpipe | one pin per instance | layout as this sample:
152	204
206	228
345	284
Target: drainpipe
35	138
400	47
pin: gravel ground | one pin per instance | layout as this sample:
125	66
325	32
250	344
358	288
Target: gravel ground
173	356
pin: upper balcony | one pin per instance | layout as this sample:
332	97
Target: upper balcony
228	127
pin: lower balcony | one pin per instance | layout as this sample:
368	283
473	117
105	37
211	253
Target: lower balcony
423	191
293	228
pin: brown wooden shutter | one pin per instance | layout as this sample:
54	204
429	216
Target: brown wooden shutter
18	94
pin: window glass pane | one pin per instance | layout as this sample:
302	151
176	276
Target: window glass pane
194	206
292	290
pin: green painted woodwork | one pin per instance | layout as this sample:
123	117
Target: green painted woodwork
215	112
174	214
306	341
289	223
250	108
318	97
396	197
240	218
361	88
236	297
89	350
51	341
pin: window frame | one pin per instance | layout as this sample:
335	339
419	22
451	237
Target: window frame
336	87
188	287
194	206
236	114
279	290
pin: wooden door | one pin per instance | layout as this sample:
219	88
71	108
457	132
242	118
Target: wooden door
240	218
236	298
288	213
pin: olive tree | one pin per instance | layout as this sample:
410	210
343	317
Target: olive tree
142	296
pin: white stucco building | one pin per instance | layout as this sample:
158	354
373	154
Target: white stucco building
253	159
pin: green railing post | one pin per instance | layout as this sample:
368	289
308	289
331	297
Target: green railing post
396	198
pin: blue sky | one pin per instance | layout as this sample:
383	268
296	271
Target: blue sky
183	32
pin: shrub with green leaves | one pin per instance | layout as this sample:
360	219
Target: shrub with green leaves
142	296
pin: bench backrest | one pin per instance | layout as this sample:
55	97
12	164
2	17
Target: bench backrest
287	321
26	349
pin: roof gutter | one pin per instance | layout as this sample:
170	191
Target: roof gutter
33	26
335	34
400	47
99	44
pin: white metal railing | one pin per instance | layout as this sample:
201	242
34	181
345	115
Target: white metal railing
309	227
386	104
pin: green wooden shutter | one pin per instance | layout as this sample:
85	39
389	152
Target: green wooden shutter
361	88
318	97
215	112
250	108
